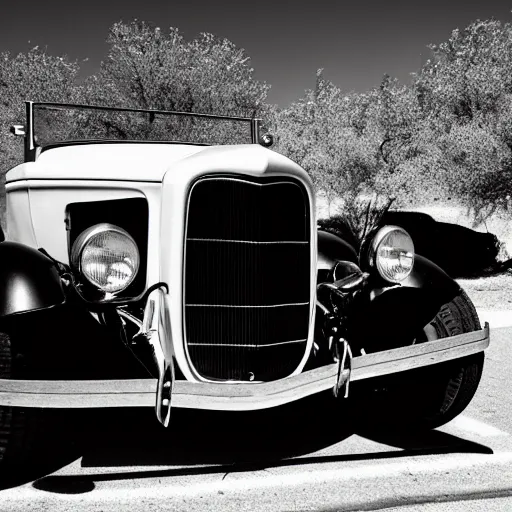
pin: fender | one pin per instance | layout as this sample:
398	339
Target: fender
331	249
28	280
398	313
429	276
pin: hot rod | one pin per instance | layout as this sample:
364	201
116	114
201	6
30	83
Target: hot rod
172	260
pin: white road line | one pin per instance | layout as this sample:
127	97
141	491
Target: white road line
477	427
271	480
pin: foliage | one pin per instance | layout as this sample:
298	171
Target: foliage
464	92
449	134
327	133
468	73
151	69
36	76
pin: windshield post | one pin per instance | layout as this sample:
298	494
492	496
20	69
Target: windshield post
255	128
30	145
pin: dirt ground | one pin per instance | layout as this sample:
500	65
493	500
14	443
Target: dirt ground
490	293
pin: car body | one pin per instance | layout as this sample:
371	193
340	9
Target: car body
235	300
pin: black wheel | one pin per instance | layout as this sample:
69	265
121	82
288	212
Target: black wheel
429	397
19	426
31	440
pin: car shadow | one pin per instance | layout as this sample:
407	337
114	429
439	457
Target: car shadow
198	437
53	446
206	442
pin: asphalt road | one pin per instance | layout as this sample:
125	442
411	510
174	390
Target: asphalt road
306	456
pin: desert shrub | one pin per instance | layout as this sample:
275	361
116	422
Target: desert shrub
356	215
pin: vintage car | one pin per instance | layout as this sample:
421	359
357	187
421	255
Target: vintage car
171	260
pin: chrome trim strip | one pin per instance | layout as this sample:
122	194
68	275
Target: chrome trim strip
245	241
250	346
242	178
242	306
229	396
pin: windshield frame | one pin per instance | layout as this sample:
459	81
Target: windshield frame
32	149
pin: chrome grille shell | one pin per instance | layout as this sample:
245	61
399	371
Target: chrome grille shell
247	280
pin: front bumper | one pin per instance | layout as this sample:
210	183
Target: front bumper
235	396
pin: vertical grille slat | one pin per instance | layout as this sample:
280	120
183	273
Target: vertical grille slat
247	278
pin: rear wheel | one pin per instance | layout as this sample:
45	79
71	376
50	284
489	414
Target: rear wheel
431	396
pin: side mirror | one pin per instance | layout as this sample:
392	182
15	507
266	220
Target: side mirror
18	130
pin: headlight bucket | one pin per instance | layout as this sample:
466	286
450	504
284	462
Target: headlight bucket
391	253
107	256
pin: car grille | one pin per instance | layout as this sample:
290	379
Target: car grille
247	278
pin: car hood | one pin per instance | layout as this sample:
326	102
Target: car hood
150	162
116	161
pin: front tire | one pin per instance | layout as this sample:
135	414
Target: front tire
31	439
17	425
429	397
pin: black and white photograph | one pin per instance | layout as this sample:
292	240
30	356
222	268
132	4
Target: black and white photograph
255	256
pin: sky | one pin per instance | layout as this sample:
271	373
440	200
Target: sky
355	41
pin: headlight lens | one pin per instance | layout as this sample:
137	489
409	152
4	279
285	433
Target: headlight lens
107	256
393	253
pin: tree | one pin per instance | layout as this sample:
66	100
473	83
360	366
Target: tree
468	73
449	133
464	92
409	145
34	76
328	133
151	69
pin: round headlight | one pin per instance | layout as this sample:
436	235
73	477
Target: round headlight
107	256
392	253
